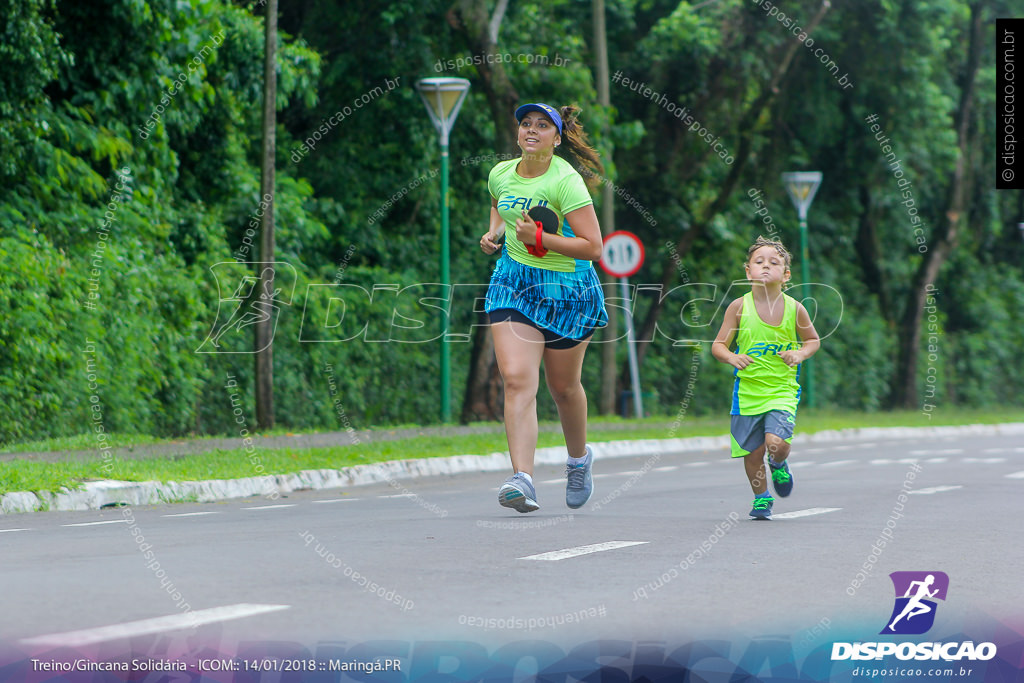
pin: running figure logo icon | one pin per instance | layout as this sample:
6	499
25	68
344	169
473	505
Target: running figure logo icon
248	303
916	592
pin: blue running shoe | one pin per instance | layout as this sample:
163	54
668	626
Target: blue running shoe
518	493
580	482
782	480
762	507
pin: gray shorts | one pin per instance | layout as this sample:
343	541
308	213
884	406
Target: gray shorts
748	430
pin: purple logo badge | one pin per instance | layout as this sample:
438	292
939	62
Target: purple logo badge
916	592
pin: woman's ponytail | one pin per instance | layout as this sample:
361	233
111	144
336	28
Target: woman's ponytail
576	145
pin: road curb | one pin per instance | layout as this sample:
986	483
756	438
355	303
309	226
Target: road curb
95	495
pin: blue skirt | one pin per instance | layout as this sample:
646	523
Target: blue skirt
568	304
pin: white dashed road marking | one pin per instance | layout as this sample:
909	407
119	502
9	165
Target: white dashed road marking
582	550
146	627
804	513
271	507
935	489
191	514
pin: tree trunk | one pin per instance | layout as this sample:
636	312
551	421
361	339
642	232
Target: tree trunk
483	396
609	347
870	257
904	386
263	342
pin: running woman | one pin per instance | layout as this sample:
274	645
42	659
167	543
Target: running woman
544	300
773	335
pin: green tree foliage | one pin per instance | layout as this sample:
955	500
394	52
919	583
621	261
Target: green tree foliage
129	167
109	226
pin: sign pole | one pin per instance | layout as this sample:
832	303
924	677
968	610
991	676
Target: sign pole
634	366
622	256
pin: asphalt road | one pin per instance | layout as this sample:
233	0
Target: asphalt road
437	558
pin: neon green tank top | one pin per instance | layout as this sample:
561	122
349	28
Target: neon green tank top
767	383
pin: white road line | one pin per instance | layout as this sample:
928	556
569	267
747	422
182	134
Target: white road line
399	495
191	514
336	500
272	507
837	463
935	489
985	461
934	460
903	461
670	468
145	627
582	550
695	464
804	513
3	531
852	446
551	481
109	521
1015	475
937	451
996	450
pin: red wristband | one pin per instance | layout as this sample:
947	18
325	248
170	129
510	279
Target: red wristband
538	248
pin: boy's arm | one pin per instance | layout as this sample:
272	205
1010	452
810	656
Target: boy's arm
808	339
720	348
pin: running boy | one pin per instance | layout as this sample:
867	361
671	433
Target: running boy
773	334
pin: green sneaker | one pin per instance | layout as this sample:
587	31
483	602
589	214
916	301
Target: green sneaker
762	507
782	479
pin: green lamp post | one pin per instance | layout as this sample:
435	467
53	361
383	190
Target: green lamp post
801	187
443	98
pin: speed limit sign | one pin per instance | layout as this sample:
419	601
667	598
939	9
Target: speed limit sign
623	254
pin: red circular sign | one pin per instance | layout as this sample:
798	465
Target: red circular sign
623	254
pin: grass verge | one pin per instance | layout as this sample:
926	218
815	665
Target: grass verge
24	475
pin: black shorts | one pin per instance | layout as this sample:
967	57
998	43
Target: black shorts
551	339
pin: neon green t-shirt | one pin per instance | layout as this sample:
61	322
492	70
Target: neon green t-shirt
561	189
767	383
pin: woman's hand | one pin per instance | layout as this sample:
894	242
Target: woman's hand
526	230
489	243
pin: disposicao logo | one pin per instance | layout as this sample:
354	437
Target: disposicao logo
916	592
913	614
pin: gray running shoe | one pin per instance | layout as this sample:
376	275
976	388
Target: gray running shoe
580	484
518	493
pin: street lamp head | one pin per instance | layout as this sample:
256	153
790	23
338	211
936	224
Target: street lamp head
443	98
801	187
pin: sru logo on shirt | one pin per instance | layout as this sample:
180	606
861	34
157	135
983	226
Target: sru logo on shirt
514	202
766	349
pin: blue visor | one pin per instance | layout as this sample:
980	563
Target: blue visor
548	111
